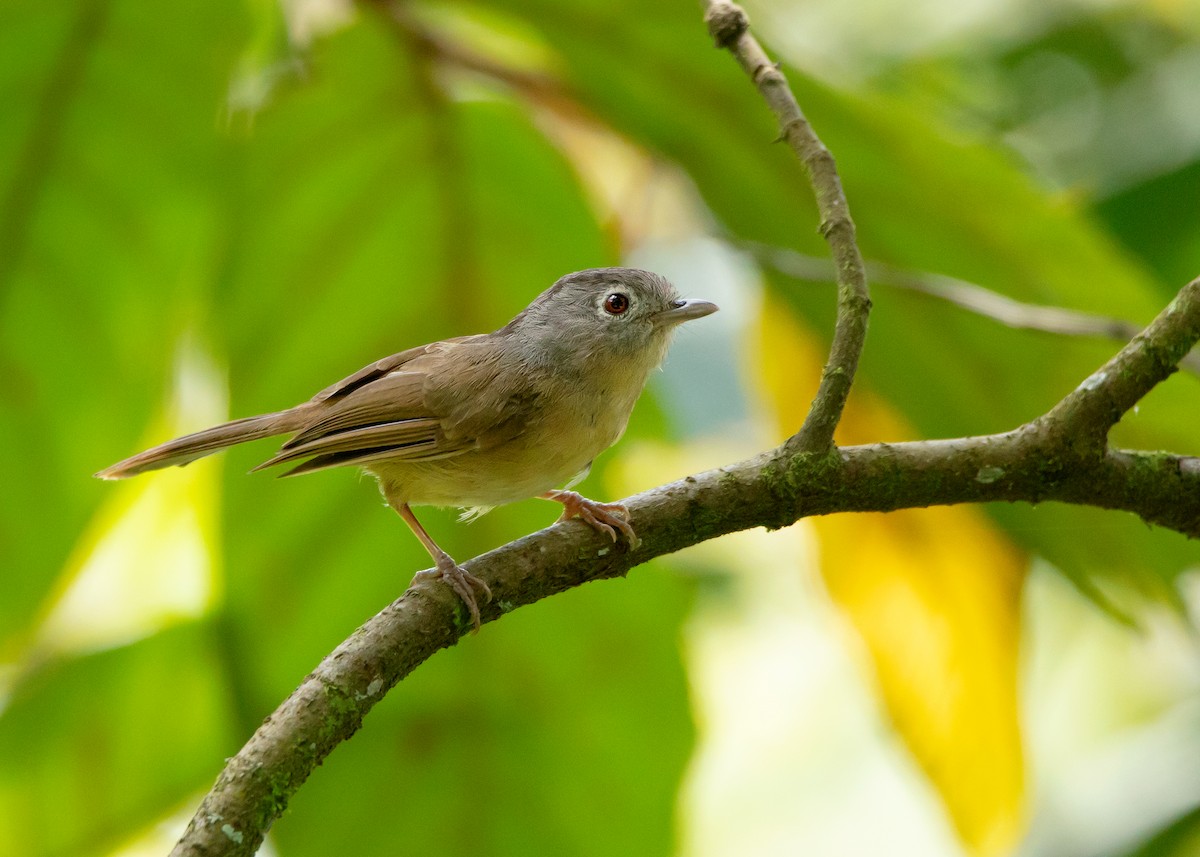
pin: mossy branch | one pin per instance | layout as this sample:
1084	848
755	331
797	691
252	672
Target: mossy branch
1034	463
1061	456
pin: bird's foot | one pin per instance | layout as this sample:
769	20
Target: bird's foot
464	584
606	517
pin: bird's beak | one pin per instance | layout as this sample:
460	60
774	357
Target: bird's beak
682	310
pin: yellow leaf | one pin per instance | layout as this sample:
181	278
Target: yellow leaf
935	596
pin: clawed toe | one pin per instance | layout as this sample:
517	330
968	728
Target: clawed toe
464	584
609	518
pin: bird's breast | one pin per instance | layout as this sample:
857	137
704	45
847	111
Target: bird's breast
566	426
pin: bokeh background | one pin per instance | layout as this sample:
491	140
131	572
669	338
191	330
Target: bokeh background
217	207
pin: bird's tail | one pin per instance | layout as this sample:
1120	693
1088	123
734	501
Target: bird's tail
190	447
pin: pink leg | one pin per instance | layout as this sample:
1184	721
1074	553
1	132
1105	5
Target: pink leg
452	573
605	517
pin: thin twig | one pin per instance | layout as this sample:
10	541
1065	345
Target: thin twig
772	490
538	87
966	295
1085	416
728	26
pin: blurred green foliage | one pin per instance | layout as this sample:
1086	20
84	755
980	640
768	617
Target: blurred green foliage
184	170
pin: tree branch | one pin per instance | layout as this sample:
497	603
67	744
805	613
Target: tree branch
805	476
773	490
963	294
1096	405
729	28
537	87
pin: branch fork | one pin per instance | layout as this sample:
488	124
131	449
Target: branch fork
807	475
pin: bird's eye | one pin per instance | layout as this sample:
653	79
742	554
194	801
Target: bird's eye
616	304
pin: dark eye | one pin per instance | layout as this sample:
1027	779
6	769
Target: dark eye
616	303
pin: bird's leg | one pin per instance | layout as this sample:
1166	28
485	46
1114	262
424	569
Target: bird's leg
605	517
447	569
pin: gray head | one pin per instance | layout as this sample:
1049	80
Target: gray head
616	313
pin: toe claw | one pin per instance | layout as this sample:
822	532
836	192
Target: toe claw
464	586
605	517
480	585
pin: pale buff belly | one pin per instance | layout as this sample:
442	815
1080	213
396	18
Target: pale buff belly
491	478
535	462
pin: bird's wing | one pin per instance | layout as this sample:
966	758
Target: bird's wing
426	403
375	371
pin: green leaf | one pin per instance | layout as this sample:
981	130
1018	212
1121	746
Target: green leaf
375	212
95	748
1178	839
529	739
923	198
107	235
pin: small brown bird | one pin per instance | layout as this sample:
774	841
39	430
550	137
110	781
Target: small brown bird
479	421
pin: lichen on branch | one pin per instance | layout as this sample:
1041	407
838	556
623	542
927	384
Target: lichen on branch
1062	456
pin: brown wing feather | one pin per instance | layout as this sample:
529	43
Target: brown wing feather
418	452
399	436
399	396
435	401
481	399
376	370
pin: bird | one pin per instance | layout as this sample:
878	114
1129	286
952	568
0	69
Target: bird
480	421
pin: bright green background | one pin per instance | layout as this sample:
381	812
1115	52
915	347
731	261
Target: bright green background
361	209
